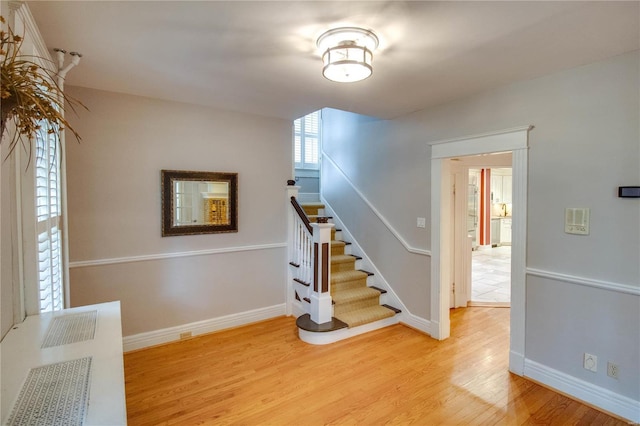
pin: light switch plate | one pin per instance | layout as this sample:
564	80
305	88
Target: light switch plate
576	221
422	222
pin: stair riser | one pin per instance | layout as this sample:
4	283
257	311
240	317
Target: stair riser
335	250
355	305
343	266
349	285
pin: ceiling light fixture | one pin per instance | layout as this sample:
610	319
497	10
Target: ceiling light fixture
347	53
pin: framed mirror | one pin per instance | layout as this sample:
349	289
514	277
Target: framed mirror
199	202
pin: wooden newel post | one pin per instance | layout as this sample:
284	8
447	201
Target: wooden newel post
321	307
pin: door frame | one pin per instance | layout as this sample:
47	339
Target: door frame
516	141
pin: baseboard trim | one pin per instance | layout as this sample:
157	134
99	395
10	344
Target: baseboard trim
162	256
589	393
416	323
573	279
166	335
516	363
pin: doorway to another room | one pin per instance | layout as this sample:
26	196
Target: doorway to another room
490	209
450	242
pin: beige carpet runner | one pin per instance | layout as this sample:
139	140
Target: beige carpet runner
354	302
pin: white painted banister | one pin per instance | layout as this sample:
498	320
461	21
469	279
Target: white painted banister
309	264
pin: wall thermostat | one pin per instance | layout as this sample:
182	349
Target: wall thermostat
576	221
629	191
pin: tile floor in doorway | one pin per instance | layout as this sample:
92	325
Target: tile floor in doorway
491	275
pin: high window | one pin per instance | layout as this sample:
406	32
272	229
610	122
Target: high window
48	217
307	141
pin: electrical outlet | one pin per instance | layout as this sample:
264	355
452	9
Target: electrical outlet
421	222
613	370
590	362
185	335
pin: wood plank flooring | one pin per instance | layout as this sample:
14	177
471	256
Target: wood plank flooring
263	374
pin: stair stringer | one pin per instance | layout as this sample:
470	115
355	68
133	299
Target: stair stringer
391	298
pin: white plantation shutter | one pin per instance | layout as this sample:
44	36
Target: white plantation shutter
307	141
48	212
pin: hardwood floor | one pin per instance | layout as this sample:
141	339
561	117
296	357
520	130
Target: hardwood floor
263	374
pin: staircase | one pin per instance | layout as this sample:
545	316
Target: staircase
354	302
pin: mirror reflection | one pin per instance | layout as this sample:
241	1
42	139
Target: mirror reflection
199	202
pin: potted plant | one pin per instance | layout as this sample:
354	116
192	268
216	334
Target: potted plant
30	96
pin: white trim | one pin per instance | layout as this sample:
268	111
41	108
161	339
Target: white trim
600	397
488	135
515	140
573	279
415	322
157	337
500	141
161	256
386	223
325	338
22	9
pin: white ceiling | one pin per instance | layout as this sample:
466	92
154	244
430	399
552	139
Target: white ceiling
260	57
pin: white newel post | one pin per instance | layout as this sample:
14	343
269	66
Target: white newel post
292	191
321	308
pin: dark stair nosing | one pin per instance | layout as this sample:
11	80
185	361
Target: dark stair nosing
304	322
299	281
381	290
347	243
396	310
357	257
294	264
367	272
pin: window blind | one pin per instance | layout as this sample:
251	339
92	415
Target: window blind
306	144
48	209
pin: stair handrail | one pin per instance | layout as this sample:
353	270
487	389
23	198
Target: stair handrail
310	263
302	214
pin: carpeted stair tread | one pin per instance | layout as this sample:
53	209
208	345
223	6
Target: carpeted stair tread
354	294
312	208
366	315
343	258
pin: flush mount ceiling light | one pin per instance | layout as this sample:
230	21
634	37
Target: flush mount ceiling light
347	53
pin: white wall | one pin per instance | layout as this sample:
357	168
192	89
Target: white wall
115	218
586	143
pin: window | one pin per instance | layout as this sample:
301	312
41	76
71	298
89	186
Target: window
307	141
48	218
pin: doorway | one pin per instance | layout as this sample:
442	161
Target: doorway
510	140
491	187
481	240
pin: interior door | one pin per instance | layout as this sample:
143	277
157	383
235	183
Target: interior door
462	241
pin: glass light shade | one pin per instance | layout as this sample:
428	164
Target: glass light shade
347	54
347	63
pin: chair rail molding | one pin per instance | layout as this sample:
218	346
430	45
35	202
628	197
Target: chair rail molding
161	256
